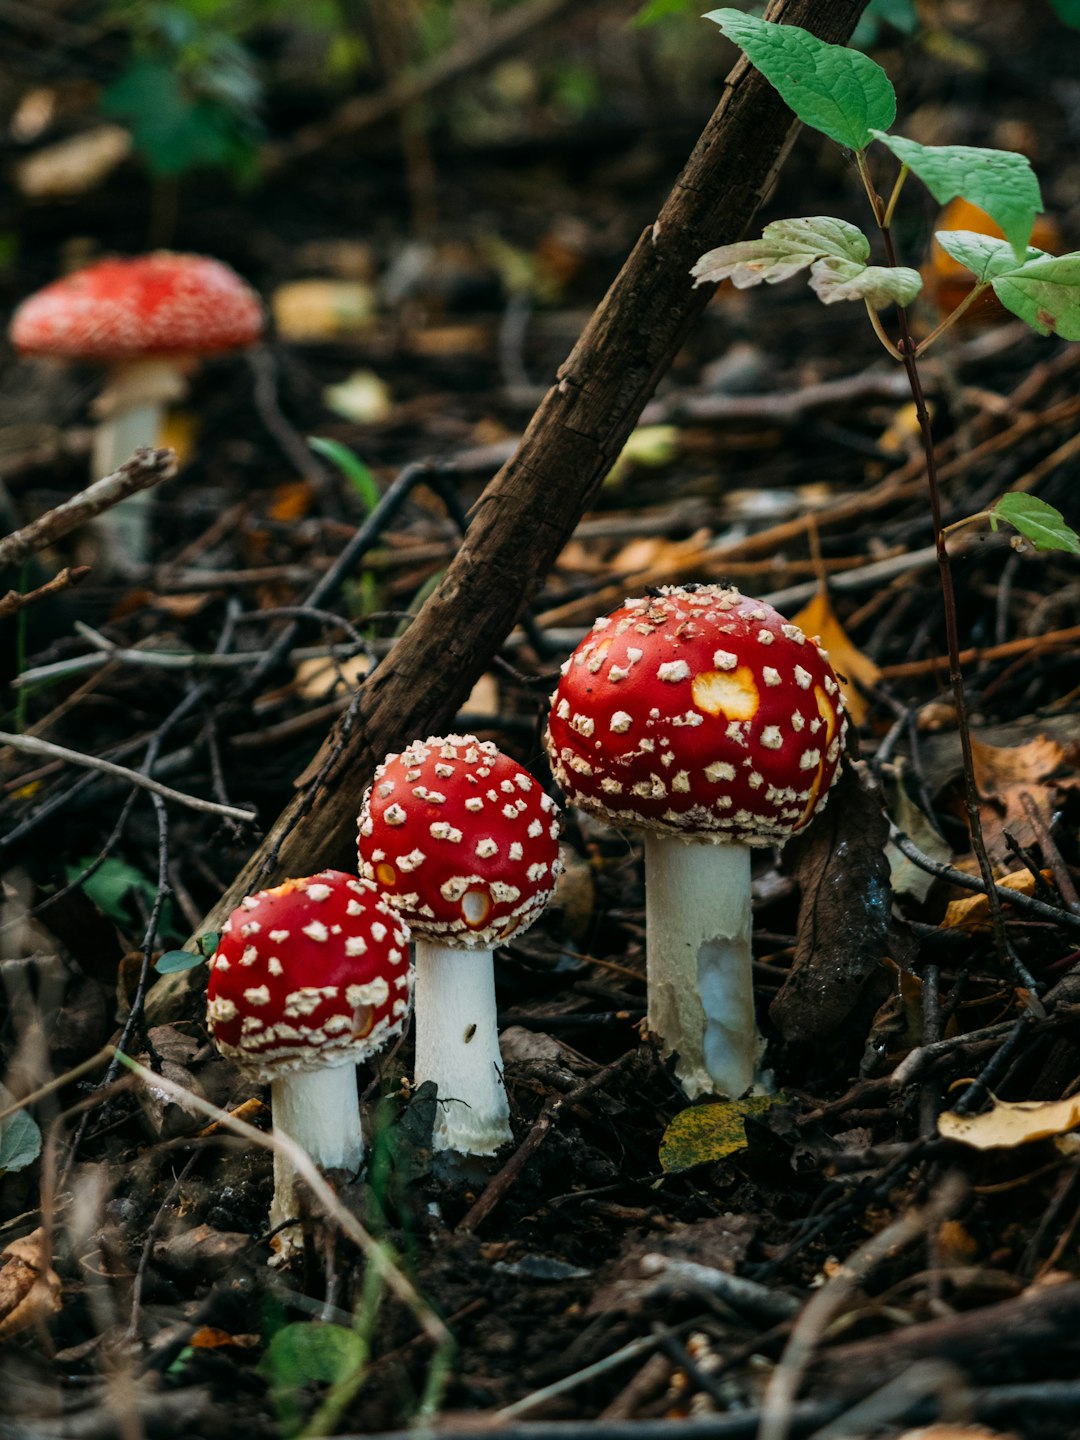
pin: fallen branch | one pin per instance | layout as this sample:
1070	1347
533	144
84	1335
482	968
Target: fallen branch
29	745
145	468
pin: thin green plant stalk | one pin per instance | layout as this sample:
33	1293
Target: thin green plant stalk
908	356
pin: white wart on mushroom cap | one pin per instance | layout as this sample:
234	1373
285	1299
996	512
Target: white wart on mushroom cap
701	713
311	974
462	841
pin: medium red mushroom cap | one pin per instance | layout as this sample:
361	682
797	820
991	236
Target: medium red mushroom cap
127	309
311	974
463	841
701	713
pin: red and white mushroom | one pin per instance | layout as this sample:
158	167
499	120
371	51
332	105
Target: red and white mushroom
465	846
309	979
708	720
147	319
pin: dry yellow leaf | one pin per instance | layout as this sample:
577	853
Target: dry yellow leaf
973	912
314	310
74	166
319	678
29	1286
1010	1124
851	665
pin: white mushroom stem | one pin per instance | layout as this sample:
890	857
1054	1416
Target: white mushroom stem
319	1109
130	411
457	1046
700	972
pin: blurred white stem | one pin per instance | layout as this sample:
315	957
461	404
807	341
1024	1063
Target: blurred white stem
131	409
700	972
457	1046
319	1109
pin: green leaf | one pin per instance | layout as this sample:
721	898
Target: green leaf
999	182
1045	293
172	962
20	1138
838	91
878	285
709	1132
310	1351
1067	11
1037	521
110	886
984	255
785	248
351	466
835	252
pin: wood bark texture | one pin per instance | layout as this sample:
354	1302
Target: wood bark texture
529	510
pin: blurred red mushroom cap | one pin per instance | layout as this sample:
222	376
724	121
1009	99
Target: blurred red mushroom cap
126	309
312	973
462	840
698	712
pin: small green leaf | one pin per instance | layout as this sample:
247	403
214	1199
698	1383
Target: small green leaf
172	962
20	1138
207	943
111	885
351	466
709	1132
998	181
785	248
1045	293
878	285
835	252
838	91
312	1352
1037	521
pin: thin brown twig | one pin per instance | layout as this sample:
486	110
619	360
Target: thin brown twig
15	600
498	1187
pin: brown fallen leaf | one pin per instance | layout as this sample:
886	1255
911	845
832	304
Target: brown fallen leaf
837	980
849	662
999	767
29	1286
1010	1124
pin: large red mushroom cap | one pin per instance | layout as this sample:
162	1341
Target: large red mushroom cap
463	841
698	712
128	309
311	974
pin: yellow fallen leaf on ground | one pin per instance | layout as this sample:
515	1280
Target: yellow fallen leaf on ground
1010	1124
973	912
849	662
29	1287
320	677
709	1132
314	310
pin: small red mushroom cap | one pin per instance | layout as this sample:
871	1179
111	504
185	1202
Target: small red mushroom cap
311	974
699	712
128	309
462	841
